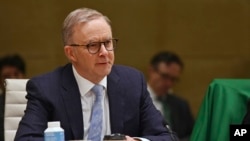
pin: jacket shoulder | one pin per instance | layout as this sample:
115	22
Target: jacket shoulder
124	69
52	76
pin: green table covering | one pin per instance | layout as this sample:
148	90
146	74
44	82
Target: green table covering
225	103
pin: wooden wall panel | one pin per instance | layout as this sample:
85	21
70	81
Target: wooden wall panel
212	36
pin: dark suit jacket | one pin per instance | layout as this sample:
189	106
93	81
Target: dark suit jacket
181	119
246	119
55	97
2	106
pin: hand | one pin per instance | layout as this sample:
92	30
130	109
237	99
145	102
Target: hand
128	138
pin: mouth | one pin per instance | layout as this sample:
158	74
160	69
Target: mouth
103	63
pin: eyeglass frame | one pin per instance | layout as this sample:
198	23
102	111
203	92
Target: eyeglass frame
99	45
166	76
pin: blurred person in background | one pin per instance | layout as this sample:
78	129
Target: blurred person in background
164	72
11	66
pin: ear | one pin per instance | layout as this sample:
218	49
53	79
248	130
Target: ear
150	69
70	53
151	72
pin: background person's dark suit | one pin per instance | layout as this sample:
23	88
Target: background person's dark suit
181	119
55	96
246	119
2	106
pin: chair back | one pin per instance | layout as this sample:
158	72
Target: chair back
15	104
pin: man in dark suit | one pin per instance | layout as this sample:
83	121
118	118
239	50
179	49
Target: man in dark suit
66	94
164	71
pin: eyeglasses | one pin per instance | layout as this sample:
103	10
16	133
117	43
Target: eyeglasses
166	76
94	47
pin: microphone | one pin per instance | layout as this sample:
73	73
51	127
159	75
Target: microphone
172	134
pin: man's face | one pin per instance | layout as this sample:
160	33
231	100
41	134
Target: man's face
164	77
93	67
10	72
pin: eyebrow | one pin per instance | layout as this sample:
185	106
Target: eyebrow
96	40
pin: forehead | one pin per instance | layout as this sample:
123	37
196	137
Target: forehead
96	28
169	67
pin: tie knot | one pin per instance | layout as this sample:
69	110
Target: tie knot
97	89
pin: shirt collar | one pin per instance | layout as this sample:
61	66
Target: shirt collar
151	92
84	84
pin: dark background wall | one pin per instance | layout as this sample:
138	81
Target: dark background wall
212	36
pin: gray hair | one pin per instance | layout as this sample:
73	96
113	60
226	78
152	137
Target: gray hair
81	15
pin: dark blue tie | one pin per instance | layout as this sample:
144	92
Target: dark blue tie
95	129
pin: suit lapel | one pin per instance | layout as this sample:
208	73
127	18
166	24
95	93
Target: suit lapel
71	96
116	103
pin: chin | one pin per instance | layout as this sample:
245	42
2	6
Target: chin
105	72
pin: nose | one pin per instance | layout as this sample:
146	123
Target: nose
103	49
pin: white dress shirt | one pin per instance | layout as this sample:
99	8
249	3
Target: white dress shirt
87	101
156	102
